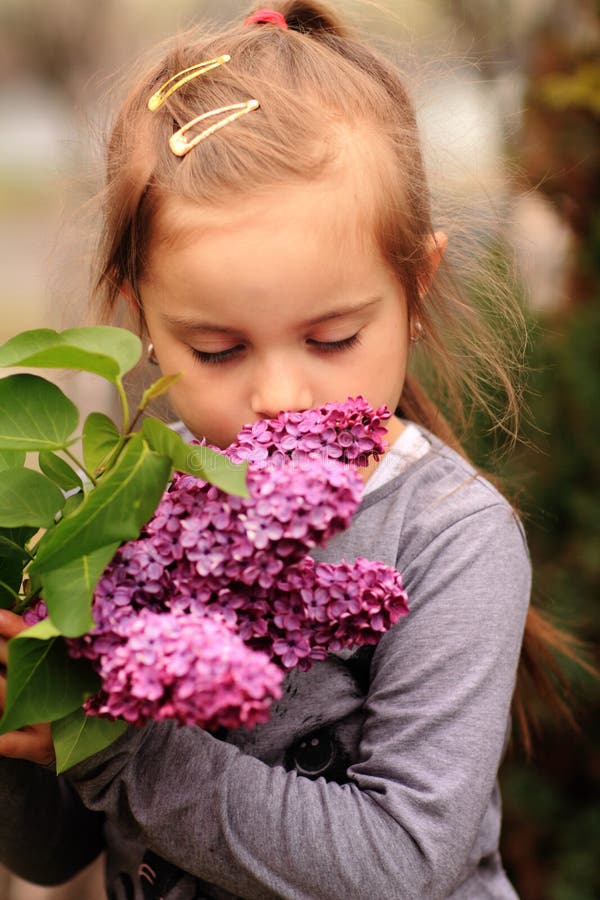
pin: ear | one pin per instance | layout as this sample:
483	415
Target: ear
435	246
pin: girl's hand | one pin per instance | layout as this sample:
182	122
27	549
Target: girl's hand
32	742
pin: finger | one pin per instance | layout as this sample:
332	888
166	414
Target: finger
33	743
3	654
10	624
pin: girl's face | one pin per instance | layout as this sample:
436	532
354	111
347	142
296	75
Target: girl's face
282	303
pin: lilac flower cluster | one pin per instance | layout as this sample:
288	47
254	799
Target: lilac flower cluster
350	432
189	615
168	669
321	608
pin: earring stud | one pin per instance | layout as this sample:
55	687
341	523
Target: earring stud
418	333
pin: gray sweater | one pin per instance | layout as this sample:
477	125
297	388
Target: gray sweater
376	775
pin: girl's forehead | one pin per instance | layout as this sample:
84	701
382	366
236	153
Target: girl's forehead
337	210
312	243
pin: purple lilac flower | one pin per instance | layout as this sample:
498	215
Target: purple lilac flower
334	605
187	616
35	613
193	669
350	432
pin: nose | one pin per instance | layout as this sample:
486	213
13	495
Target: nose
279	386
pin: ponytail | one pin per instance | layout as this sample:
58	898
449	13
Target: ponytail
313	18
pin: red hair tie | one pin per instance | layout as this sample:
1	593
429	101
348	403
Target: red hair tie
267	17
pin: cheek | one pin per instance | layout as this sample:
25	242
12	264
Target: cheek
396	348
206	409
386	355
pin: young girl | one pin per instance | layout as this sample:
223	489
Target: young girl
267	216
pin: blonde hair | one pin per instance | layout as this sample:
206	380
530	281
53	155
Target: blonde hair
314	81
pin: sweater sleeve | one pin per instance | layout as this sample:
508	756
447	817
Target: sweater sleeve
46	833
436	717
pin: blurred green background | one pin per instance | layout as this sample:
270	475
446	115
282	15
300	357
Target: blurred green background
508	99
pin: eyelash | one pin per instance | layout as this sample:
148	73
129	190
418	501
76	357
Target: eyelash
215	358
223	356
336	346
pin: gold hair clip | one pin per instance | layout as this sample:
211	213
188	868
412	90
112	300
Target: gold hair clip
181	78
180	145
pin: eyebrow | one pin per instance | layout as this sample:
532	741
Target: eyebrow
339	313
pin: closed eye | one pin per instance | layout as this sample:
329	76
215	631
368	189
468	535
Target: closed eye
223	356
219	356
335	346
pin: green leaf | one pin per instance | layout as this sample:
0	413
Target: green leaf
24	345
13	558
103	350
159	387
218	470
68	591
196	460
43	682
11	576
44	630
59	471
34	414
100	437
46	349
11	459
72	503
13	542
78	736
114	511
118	343
28	498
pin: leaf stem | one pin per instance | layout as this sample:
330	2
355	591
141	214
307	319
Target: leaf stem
79	464
137	415
10	590
113	456
124	405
